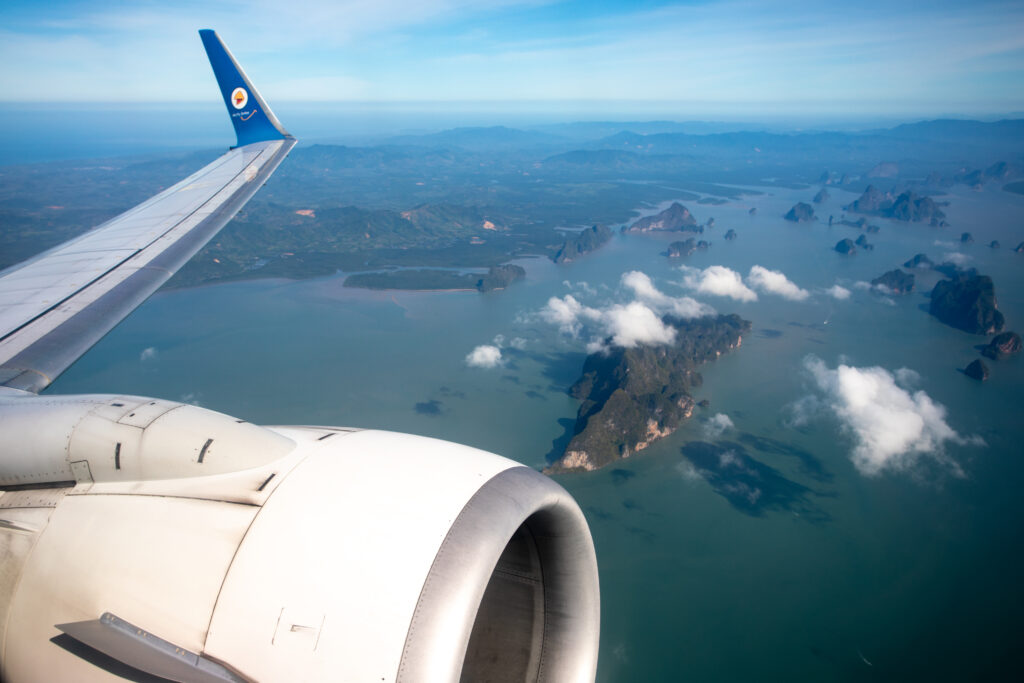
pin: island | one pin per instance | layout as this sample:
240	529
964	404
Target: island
682	248
499	277
994	244
1002	346
800	213
862	242
822	196
846	246
919	261
896	281
952	270
424	279
977	370
676	218
582	243
871	201
860	223
631	397
966	238
1020	248
730	234
908	206
968	303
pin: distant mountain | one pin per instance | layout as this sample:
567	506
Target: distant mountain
943	131
918	148
601	157
595	130
494	137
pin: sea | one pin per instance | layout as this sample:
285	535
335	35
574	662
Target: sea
814	570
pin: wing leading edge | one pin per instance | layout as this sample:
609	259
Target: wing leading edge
54	307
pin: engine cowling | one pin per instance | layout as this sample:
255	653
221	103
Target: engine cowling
187	544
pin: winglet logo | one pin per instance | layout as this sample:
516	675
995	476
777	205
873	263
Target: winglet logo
239	98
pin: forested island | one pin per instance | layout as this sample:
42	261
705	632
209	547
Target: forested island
896	281
631	397
676	218
1002	346
967	302
582	243
497	277
800	213
907	206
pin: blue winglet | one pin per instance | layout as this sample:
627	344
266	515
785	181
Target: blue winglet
252	118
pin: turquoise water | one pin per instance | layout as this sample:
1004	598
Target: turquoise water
831	575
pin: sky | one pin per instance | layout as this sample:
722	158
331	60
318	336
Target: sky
729	57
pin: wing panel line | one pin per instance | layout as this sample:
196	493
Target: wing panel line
129	257
43	359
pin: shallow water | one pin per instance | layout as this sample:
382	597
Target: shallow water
827	575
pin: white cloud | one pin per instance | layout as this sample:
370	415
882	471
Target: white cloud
717	280
518	343
775	282
625	325
566	312
956	258
717	425
484	356
891	426
801	412
148	353
729	459
635	324
582	286
645	291
861	284
687	470
837	292
907	377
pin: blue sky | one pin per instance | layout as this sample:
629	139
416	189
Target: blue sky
731	57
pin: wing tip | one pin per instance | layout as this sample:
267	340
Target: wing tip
251	117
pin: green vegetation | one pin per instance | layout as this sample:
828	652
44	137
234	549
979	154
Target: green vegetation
584	242
967	302
908	206
497	277
895	281
334	208
479	197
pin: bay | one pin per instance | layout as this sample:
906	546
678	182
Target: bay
829	575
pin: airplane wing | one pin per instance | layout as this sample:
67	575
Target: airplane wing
54	307
144	538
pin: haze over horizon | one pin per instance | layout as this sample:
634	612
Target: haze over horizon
728	59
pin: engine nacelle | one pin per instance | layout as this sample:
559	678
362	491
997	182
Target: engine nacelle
193	546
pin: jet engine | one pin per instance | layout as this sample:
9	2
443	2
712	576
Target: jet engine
143	539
